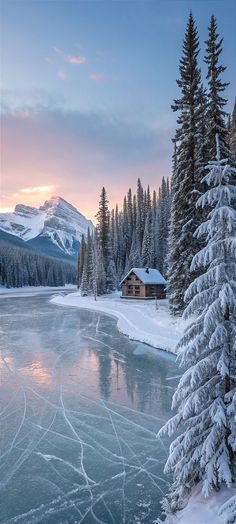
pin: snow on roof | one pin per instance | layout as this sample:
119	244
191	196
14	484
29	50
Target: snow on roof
153	276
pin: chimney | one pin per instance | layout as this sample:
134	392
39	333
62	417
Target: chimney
147	269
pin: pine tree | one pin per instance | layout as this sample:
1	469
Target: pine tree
95	269
206	394
81	258
146	247
130	218
232	134
162	225
86	281
185	180
104	238
215	110
103	229
140	219
202	156
134	256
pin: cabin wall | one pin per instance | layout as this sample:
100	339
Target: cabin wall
132	287
155	291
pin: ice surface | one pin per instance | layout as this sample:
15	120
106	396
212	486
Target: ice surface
138	319
80	412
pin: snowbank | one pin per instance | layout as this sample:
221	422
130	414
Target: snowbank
201	510
139	320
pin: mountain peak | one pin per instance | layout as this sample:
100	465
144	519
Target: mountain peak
55	201
56	220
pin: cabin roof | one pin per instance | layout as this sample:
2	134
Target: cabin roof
153	276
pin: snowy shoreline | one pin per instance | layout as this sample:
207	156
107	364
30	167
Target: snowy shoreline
139	320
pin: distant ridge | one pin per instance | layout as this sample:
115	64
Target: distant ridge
55	228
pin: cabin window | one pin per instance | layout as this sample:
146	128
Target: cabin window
137	287
130	287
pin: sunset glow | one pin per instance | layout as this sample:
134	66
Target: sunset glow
83	107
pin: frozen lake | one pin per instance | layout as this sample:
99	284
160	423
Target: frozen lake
80	409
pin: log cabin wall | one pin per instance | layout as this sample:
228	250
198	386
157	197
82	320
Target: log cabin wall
133	287
155	290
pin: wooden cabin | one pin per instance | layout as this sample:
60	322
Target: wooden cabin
144	283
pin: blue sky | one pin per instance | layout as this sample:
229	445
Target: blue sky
87	89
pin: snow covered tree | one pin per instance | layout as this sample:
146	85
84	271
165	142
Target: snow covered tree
86	283
215	110
81	258
185	179
232	134
202	156
21	267
146	246
228	511
140	221
130	217
104	240
111	276
103	228
162	225
96	284
206	395
134	256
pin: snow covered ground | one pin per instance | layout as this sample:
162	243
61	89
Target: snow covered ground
138	319
205	511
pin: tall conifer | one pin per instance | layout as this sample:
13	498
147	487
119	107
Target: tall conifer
216	102
185	180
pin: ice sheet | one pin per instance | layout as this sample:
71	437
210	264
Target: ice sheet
80	412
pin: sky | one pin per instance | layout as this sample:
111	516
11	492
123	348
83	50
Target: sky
86	90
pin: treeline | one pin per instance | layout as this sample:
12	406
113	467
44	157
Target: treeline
19	267
135	236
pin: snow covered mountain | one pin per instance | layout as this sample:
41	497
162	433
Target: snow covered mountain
54	228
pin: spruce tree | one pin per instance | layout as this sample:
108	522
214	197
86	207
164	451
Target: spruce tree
232	135
206	395
185	180
103	234
81	258
140	220
146	247
216	103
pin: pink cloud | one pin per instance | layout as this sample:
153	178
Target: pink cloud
48	60
22	114
96	77
61	74
71	59
76	59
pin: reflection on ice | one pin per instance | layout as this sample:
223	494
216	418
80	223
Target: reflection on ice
80	414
